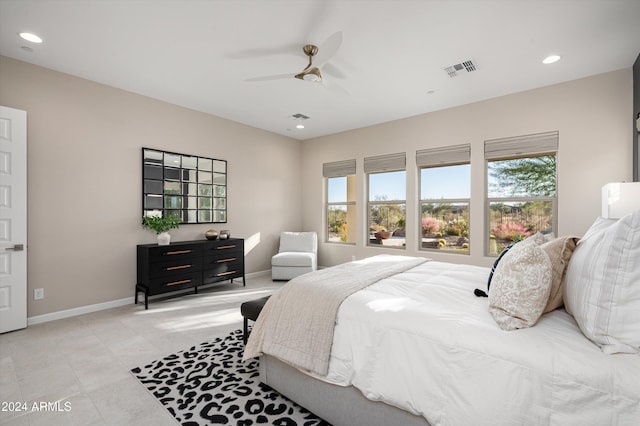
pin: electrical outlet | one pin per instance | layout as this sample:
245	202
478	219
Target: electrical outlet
38	293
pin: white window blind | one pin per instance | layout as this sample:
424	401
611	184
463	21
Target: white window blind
385	163
339	168
521	146
450	155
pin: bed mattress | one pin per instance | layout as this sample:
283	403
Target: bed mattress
422	341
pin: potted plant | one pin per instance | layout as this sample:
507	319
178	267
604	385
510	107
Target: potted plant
161	225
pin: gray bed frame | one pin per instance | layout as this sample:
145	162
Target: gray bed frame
338	405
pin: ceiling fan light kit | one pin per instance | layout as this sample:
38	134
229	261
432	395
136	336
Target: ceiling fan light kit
310	74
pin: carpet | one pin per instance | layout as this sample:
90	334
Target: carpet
208	384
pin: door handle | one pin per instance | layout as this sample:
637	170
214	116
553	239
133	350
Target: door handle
17	247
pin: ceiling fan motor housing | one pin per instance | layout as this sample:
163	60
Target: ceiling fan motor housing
310	73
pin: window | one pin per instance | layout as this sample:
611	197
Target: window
521	188
445	186
341	201
386	200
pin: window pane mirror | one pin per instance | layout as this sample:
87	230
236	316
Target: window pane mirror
193	188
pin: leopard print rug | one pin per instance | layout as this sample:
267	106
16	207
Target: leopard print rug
209	384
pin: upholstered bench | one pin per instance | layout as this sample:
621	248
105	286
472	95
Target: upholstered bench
250	311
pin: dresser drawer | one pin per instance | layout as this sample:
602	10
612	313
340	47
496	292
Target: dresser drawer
174	282
224	271
217	248
174	251
215	260
173	266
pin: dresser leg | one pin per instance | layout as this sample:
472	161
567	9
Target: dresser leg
145	290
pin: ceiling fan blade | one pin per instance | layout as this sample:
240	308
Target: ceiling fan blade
328	48
334	87
333	71
271	77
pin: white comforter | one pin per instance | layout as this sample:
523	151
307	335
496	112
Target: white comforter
423	342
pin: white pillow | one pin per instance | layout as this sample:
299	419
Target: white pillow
602	289
520	286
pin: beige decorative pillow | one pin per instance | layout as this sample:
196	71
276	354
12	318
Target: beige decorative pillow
559	252
520	287
541	238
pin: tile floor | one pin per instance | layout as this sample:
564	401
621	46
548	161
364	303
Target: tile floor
80	365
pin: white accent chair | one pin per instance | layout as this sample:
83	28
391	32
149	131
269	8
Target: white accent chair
298	254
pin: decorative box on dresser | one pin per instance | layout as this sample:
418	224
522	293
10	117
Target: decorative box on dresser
188	264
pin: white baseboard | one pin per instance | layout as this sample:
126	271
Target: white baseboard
39	319
53	316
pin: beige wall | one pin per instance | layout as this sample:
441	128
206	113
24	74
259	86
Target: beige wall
84	182
591	115
84	178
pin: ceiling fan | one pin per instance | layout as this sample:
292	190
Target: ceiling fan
312	72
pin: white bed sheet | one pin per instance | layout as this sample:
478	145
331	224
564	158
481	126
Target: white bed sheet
422	341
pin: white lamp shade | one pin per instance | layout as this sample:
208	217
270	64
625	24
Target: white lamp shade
620	199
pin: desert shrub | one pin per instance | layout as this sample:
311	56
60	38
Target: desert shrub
457	227
430	225
377	228
511	231
343	233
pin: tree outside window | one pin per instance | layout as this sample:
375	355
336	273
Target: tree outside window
521	199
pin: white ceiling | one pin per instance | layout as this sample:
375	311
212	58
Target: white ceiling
198	53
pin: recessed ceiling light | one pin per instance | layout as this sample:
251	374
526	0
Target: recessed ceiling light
300	126
30	37
551	59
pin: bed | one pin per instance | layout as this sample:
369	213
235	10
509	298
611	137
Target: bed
417	347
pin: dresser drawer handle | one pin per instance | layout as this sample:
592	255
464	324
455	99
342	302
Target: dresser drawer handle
173	268
225	247
169	253
231	259
178	282
222	274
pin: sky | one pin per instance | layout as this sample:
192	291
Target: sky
435	183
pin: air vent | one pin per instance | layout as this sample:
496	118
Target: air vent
299	117
461	68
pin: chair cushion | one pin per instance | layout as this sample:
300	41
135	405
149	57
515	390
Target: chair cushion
293	259
252	308
298	241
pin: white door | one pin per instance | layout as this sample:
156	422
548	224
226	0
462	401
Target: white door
13	219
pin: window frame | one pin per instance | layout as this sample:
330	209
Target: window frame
448	156
371	203
339	169
389	163
520	147
452	201
346	203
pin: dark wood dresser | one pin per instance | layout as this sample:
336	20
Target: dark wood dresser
188	264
